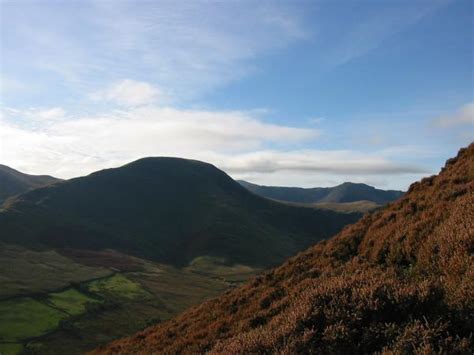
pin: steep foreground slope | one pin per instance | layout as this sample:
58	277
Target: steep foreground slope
346	192
401	280
13	182
166	209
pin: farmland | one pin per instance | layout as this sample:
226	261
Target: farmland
96	296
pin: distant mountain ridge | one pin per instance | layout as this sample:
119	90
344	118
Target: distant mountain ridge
168	209
344	193
14	182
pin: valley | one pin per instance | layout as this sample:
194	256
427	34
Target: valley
96	296
100	257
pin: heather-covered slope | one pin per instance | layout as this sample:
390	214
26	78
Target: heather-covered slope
13	182
401	280
166	209
346	192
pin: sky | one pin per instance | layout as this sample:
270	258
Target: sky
290	93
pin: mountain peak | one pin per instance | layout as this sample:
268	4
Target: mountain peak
344	193
14	182
168	209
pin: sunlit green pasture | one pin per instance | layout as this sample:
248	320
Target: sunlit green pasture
118	286
25	318
71	301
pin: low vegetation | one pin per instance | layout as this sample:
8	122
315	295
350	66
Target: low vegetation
400	281
71	301
126	294
10	348
357	206
221	269
26	272
27	318
118	286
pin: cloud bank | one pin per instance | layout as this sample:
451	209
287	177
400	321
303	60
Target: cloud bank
239	142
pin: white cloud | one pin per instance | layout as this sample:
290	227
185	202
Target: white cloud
50	114
129	93
464	116
317	161
237	142
33	114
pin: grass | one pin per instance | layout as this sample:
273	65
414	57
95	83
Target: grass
27	271
26	318
348	207
118	286
173	291
131	301
10	348
219	268
71	301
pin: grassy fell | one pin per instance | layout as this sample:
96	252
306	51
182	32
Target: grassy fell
166	209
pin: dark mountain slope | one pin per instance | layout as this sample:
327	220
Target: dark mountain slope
13	182
167	209
400	281
346	192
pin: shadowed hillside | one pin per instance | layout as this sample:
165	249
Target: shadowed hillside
398	281
344	193
166	209
13	182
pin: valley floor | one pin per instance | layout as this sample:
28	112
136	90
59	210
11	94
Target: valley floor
95	297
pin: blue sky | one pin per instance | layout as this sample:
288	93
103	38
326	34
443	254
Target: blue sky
303	93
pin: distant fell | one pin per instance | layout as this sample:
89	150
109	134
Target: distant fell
344	193
14	182
399	281
167	209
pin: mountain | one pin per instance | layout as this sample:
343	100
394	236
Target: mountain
399	281
169	210
344	193
13	182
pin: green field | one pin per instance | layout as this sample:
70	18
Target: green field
61	322
118	286
26	318
28	271
10	348
71	301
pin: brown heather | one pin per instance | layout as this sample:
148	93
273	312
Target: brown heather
400	281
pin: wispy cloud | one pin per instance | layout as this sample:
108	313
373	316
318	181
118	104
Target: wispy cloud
372	29
129	93
187	47
463	117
